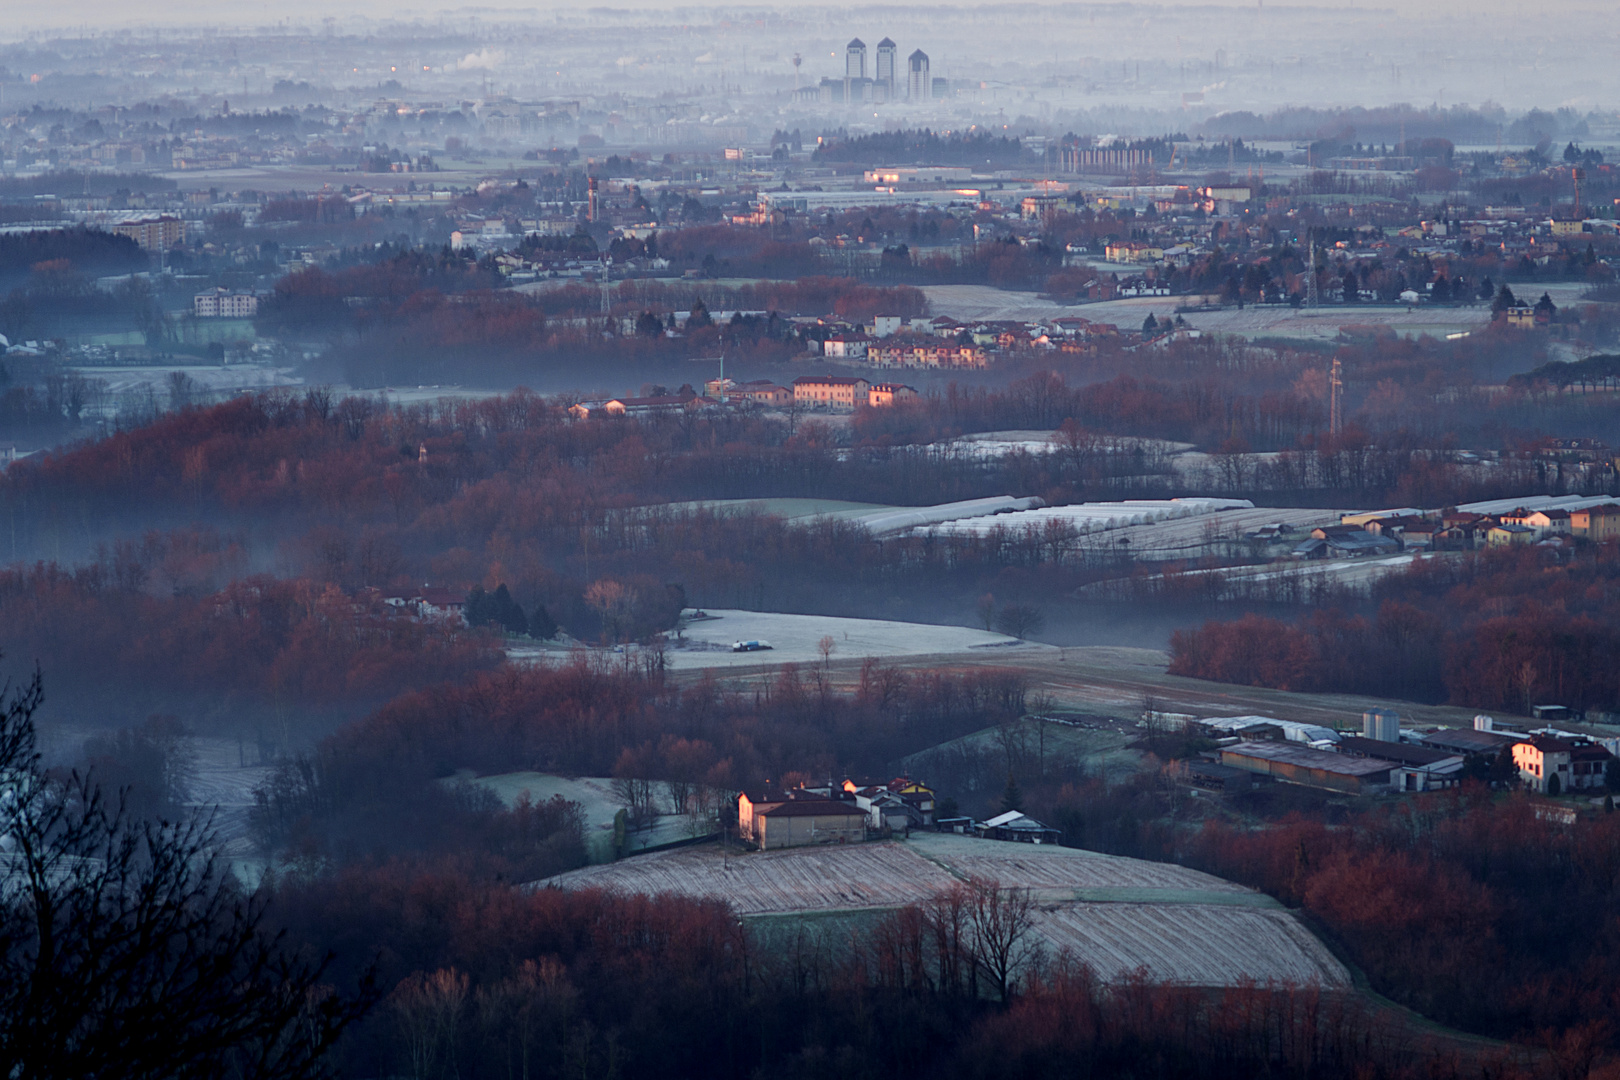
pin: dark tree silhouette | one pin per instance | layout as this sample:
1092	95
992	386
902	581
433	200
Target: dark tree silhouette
127	950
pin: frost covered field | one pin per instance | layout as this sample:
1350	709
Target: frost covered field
796	639
1118	915
1092	516
1191	944
1163	528
774	882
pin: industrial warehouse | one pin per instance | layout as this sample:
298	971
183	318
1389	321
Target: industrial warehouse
1387	759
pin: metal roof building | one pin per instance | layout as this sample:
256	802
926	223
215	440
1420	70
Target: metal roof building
1298	764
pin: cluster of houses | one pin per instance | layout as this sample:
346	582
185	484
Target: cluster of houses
828	393
1387	758
1175	239
851	811
932	343
1560	521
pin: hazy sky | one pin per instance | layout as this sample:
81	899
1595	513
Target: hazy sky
1225	55
101	14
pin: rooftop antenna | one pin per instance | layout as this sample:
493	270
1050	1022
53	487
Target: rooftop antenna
1335	391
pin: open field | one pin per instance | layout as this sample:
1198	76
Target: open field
1356	573
887	874
794	639
1176	537
1119	915
985	302
207	380
791	509
1060	873
1091	517
1191	944
774	882
221	783
876	517
1100	749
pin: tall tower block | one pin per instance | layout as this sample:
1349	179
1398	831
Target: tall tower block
887	54
919	86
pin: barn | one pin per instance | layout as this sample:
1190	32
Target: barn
798	822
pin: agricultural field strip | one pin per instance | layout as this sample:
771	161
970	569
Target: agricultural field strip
885	875
1086	517
859	876
1148	531
1190	533
1082	872
1191	944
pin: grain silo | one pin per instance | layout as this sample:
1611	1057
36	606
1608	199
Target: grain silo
1381	724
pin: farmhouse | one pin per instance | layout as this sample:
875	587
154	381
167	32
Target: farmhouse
902	803
770	818
799	822
1551	765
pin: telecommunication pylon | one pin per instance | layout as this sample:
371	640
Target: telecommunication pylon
1335	393
1310	272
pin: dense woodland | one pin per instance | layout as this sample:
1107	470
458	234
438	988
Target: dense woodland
1501	629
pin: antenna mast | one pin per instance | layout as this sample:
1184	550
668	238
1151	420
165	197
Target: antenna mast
1335	393
1310	270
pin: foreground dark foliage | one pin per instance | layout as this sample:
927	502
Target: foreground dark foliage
127	950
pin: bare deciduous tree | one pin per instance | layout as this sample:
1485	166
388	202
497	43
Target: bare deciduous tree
1020	620
1003	923
127	950
987	610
